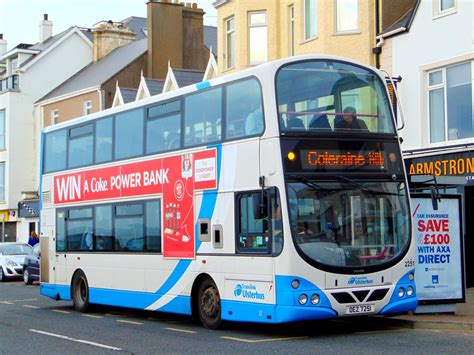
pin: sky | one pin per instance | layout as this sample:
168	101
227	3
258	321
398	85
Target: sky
19	19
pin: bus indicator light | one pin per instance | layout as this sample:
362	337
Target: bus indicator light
291	156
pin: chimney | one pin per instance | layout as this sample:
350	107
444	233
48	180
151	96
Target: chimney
175	34
193	38
165	38
3	45
108	36
45	29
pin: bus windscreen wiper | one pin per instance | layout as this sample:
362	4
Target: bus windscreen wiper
365	188
307	182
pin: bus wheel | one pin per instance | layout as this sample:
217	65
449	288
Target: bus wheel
209	304
80	292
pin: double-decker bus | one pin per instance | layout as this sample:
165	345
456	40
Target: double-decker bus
275	194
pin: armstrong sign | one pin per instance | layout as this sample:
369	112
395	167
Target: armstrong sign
455	164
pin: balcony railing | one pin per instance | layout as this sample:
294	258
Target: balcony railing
11	82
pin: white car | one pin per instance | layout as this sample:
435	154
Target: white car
12	258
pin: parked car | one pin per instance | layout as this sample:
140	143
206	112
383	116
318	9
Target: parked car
12	257
31	267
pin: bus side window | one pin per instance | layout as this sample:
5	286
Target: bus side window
244	113
202	117
252	234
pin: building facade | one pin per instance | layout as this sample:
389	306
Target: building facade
252	32
172	33
27	72
436	92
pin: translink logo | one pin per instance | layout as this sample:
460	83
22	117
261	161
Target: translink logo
248	291
360	280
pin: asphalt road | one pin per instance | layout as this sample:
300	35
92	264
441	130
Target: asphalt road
32	324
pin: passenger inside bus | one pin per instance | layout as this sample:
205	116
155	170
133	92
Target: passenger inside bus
349	121
254	121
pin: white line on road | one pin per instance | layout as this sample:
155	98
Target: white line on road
25	300
30	306
182	330
75	340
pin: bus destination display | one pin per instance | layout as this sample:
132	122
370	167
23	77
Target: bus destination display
313	159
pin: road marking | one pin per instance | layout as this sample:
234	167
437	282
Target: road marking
25	300
128	321
75	340
263	340
92	316
29	306
382	331
60	311
182	330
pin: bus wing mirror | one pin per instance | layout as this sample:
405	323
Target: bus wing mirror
260	206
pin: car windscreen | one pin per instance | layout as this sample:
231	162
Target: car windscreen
15	249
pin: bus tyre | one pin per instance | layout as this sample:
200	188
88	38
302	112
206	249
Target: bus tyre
80	292
209	304
26	277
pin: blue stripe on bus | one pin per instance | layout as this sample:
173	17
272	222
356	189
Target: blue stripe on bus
402	304
62	292
207	209
203	85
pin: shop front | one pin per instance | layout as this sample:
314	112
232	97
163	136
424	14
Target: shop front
451	175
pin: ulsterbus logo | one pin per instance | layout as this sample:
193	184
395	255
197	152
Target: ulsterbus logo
248	291
360	280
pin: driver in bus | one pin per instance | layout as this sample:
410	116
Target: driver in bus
350	121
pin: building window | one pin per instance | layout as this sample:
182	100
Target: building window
450	107
310	19
2	129
54	116
2	181
230	42
87	107
446	5
257	37
347	16
443	7
291	25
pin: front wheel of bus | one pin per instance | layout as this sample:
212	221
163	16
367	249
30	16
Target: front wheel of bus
209	305
80	292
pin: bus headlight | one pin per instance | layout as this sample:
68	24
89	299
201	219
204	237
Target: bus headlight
295	283
302	299
401	292
409	291
315	298
411	276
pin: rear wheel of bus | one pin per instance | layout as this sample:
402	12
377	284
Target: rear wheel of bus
209	304
80	292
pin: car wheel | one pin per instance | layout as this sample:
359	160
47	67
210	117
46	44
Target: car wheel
209	304
26	277
2	276
80	292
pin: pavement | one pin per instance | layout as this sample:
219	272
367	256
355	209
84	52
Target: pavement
439	321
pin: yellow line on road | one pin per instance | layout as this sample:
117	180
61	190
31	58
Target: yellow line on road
383	331
6	302
60	311
29	306
14	301
182	330
92	316
263	340
128	321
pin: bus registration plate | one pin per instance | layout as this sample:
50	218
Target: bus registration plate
361	309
